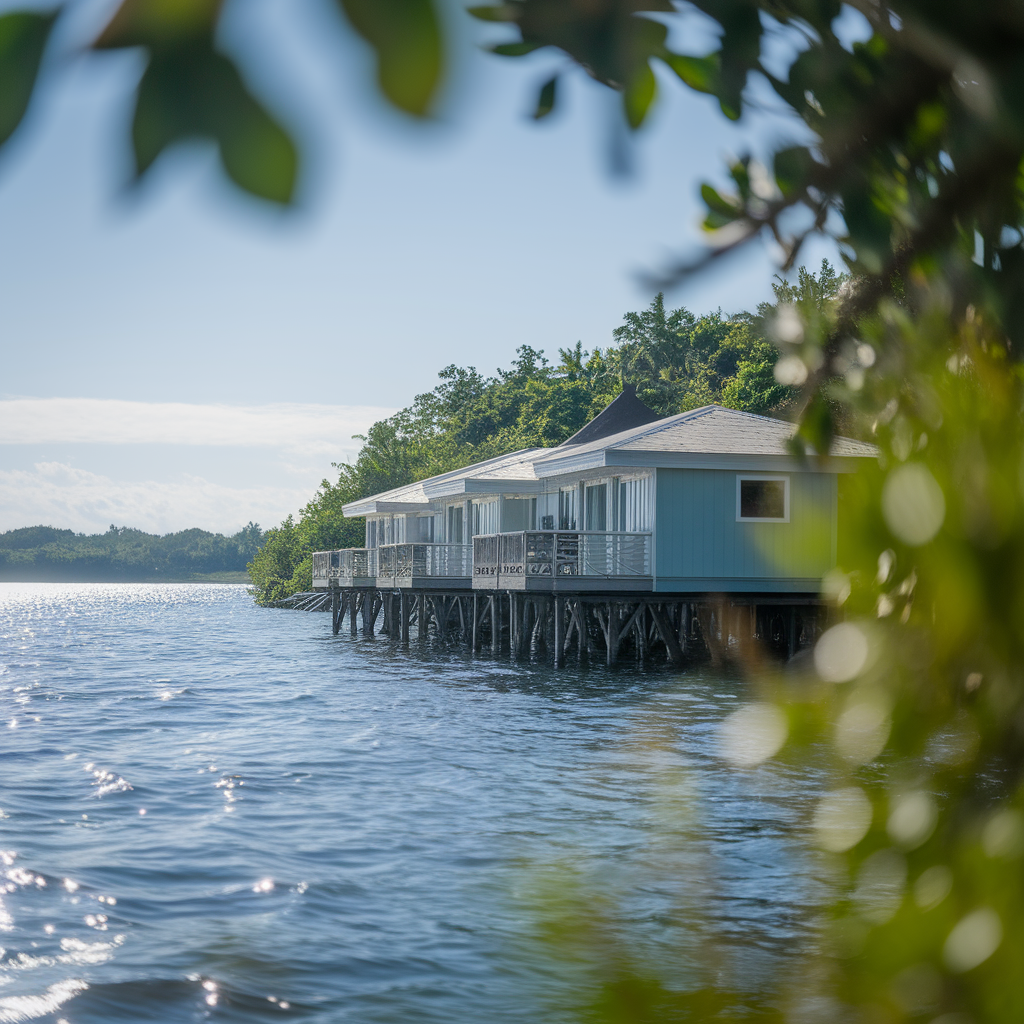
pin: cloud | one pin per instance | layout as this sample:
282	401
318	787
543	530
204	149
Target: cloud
61	495
321	430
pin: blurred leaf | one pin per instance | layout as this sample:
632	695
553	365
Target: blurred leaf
23	36
817	427
406	36
717	204
546	98
515	49
792	169
202	95
700	73
157	23
639	96
501	12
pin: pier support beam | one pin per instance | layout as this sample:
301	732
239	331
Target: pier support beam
559	625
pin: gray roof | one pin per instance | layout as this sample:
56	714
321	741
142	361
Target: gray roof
517	467
624	412
711	436
711	430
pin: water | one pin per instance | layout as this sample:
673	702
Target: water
212	811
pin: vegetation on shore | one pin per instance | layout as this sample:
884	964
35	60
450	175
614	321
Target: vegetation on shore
676	360
122	555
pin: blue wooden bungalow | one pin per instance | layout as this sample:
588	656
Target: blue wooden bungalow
709	501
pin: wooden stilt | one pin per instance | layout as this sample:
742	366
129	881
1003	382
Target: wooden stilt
335	609
559	616
404	612
495	616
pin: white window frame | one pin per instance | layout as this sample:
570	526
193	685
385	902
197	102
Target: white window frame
740	477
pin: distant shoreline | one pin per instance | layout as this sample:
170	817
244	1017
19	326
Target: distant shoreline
198	577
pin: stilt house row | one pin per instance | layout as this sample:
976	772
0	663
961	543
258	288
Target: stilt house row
708	501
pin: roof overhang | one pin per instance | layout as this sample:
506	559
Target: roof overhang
608	458
372	507
480	485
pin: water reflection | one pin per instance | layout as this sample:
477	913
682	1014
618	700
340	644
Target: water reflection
234	813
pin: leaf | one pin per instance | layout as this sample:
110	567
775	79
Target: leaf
792	169
717	204
23	36
816	430
194	92
639	95
515	49
546	99
501	12
157	23
699	73
406	36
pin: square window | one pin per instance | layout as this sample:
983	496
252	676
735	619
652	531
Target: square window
762	499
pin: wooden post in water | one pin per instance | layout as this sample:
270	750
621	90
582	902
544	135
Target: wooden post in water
353	601
335	608
403	599
495	613
559	628
421	616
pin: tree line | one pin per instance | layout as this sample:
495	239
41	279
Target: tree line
123	555
675	359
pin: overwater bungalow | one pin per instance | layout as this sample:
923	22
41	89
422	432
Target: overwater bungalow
647	521
707	501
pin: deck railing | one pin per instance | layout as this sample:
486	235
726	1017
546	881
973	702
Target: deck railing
496	559
390	562
425	561
346	567
557	553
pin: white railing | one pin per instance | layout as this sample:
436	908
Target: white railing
345	568
559	553
366	566
425	561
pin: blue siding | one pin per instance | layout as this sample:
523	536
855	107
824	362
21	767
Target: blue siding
699	545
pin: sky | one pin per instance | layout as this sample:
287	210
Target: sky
177	355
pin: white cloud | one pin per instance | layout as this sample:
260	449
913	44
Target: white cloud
60	495
321	430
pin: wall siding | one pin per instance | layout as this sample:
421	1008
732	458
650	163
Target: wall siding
700	546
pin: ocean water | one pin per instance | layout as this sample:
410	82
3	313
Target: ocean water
212	811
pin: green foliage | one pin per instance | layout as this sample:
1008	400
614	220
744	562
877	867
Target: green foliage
38	553
676	360
23	37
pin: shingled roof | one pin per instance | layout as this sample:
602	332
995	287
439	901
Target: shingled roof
711	435
709	430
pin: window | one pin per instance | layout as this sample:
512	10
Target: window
567	508
634	503
597	507
455	518
762	499
485	517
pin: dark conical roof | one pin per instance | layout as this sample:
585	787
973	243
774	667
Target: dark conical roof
624	412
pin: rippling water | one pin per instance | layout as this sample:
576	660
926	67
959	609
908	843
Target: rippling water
216	811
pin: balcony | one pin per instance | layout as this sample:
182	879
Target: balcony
395	565
555	560
422	565
349	567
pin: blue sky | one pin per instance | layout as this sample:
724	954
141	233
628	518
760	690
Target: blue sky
193	358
